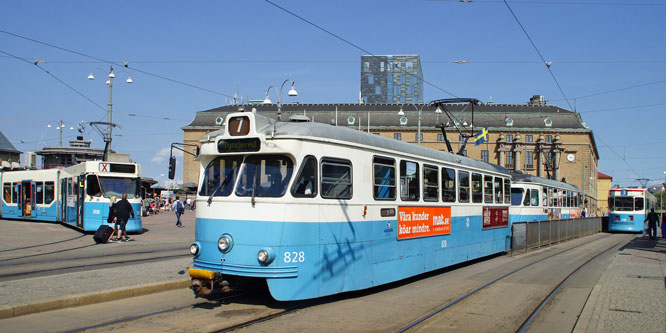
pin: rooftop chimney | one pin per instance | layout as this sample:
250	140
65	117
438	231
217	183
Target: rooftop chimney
537	100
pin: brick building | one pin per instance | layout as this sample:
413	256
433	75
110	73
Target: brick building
537	139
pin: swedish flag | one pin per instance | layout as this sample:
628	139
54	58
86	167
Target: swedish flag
481	137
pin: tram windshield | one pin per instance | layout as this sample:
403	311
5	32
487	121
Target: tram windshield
624	204
220	176
111	186
264	176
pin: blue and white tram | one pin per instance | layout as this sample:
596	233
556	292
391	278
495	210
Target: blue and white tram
628	208
30	195
78	195
538	199
316	210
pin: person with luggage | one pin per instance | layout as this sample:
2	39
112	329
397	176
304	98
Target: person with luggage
112	213
123	211
179	208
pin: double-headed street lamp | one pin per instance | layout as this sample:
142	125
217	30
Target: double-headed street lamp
292	92
109	82
418	134
60	127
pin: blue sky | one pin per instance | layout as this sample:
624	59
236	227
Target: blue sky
608	57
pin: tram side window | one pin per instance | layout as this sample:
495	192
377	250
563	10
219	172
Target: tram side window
430	183
49	192
498	190
336	179
507	190
409	181
638	204
516	196
551	197
526	201
39	192
220	176
477	188
534	200
488	188
384	178
448	185
15	192
92	186
305	185
463	189
544	196
7	192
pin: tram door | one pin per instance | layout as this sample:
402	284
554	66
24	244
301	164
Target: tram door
63	195
80	197
21	197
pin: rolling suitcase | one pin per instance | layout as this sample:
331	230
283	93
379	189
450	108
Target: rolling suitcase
103	234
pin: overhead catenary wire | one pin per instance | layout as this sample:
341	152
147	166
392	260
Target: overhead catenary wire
575	3
548	64
350	43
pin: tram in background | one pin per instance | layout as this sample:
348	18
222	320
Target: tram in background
315	209
538	199
78	195
628	208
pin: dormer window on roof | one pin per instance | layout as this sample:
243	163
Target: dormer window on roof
403	120
351	120
508	121
548	122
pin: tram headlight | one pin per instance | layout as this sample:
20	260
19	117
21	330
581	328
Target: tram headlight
194	249
265	256
225	243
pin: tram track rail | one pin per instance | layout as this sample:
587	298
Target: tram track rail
43	244
537	310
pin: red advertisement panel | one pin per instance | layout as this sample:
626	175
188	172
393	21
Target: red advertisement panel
495	217
416	222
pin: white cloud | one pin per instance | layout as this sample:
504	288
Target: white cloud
163	154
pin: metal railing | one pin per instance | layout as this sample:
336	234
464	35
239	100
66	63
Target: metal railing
527	236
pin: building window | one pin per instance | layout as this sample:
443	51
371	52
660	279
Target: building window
440	137
419	136
371	79
509	160
484	156
549	161
529	138
402	79
529	160
402	99
397	65
415	79
366	66
509	138
409	65
365	99
378	90
396	90
397	136
410	90
381	66
549	138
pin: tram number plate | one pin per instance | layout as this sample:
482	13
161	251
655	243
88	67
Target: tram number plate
294	257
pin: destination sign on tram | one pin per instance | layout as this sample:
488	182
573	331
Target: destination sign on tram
238	145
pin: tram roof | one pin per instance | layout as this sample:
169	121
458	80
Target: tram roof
264	125
527	178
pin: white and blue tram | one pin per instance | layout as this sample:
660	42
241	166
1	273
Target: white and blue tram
538	199
628	208
315	209
78	195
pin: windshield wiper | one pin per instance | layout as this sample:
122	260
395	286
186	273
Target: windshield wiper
224	182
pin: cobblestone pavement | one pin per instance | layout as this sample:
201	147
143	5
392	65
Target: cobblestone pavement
630	295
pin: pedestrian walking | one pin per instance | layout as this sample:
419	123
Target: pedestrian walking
663	224
178	207
123	211
652	220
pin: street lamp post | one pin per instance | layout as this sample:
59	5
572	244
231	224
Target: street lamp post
418	122
60	127
292	92
109	82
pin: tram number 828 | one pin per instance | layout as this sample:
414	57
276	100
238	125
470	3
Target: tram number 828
294	257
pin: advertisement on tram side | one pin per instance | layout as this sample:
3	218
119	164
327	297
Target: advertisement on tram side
415	222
